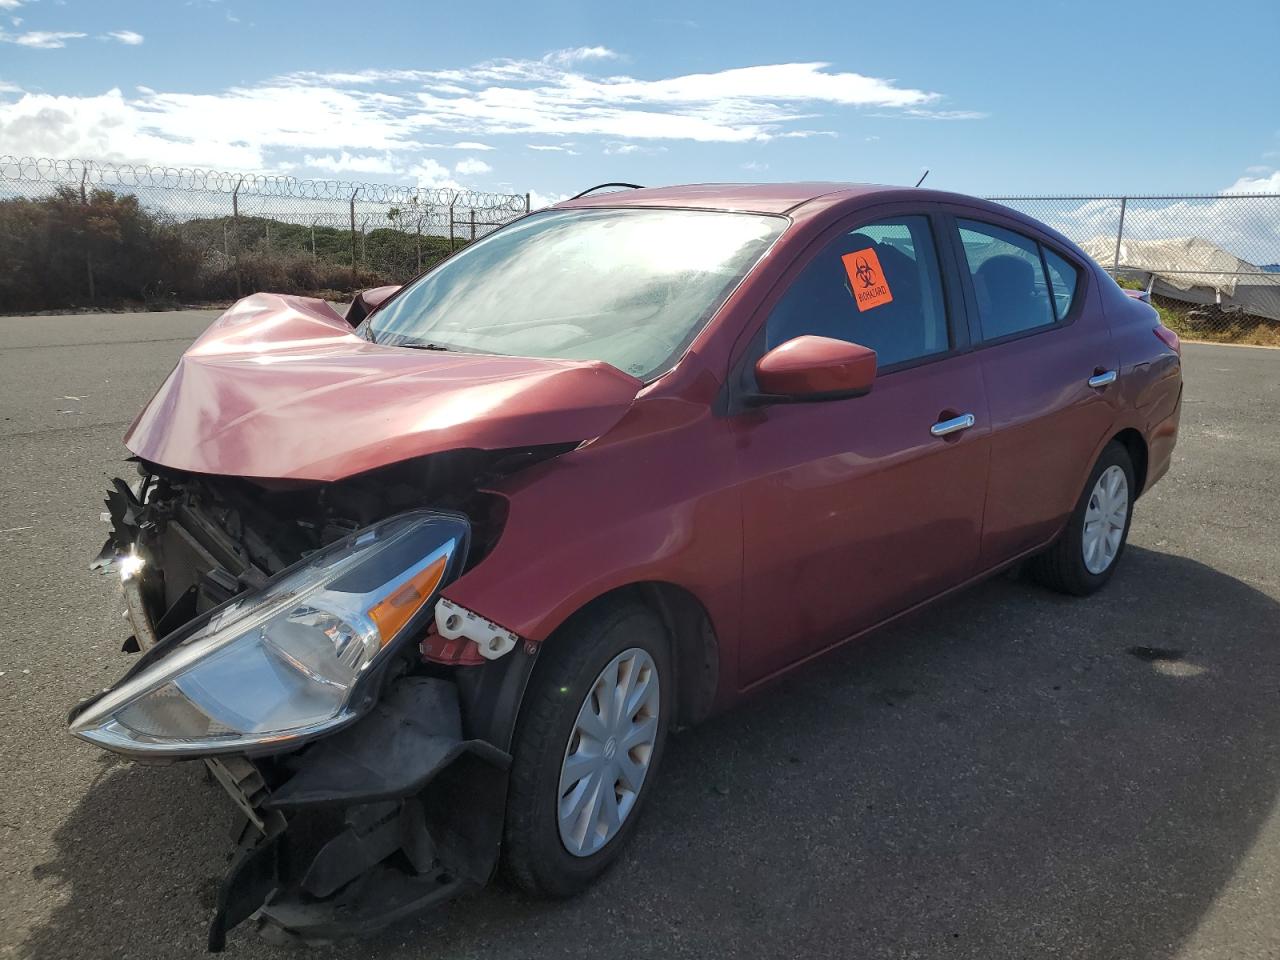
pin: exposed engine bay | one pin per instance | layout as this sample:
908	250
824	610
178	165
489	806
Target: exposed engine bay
399	809
214	536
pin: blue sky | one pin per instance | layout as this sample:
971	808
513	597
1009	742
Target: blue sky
997	97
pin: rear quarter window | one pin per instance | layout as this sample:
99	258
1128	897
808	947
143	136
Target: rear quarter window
1064	278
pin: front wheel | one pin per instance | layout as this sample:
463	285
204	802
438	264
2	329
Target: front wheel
1085	556
588	746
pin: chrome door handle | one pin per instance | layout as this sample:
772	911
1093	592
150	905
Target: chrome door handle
1100	380
954	425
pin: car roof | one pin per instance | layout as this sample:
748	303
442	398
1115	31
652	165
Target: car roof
746	197
790	198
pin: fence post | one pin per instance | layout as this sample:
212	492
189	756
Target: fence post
418	241
452	201
1115	261
473	223
88	252
354	194
526	203
235	219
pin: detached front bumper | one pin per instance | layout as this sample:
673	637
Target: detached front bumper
387	817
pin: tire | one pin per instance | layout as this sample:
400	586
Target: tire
1064	566
536	856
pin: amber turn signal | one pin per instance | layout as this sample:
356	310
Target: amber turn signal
395	611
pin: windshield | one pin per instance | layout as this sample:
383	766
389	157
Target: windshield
631	287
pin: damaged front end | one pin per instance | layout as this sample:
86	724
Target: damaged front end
300	647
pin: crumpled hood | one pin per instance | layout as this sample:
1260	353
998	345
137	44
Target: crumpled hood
281	387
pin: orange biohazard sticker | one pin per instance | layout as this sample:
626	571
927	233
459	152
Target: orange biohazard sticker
866	279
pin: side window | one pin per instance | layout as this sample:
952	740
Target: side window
1064	277
1008	279
878	286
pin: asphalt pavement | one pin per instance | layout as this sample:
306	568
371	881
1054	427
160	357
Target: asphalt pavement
1012	774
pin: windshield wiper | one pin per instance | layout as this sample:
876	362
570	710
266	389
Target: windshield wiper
422	345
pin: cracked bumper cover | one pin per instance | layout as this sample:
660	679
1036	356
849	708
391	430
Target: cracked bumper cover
397	812
385	818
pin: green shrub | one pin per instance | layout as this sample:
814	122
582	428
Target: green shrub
69	250
73	250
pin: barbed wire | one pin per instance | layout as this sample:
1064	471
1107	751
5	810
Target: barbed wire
78	173
1136	196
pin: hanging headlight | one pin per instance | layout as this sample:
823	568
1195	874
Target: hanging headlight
286	662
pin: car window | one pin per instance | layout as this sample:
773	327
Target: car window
878	286
1008	279
1064	277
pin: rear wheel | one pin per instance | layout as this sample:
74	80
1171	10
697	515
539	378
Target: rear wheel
1085	556
587	749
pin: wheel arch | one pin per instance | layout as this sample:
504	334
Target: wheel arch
1136	446
695	647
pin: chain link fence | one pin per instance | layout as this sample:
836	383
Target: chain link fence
73	225
1209	263
77	233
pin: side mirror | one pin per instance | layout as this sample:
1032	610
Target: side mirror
367	301
816	368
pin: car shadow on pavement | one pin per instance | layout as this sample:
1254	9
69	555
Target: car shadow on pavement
1011	774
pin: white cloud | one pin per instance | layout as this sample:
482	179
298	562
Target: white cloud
1262	182
352	163
109	127
10	4
470	167
41	39
538	200
579	54
395	115
431	173
619	148
127	37
755	166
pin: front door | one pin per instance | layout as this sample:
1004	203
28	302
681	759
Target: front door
856	509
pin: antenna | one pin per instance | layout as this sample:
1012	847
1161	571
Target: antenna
922	176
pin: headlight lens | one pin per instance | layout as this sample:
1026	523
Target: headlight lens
282	663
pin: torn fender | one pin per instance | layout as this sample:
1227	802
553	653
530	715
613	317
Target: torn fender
281	387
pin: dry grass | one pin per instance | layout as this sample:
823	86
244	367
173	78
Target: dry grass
1213	326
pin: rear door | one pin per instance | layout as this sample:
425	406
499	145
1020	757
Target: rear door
1049	367
853	509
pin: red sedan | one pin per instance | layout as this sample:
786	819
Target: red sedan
428	592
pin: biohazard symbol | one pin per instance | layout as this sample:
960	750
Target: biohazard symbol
866	275
866	278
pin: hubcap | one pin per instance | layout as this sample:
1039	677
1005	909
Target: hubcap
1104	520
608	753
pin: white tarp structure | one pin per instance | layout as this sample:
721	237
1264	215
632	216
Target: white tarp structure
1194	270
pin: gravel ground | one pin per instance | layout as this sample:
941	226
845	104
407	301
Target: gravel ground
1002	776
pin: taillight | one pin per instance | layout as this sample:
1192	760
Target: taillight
1169	338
